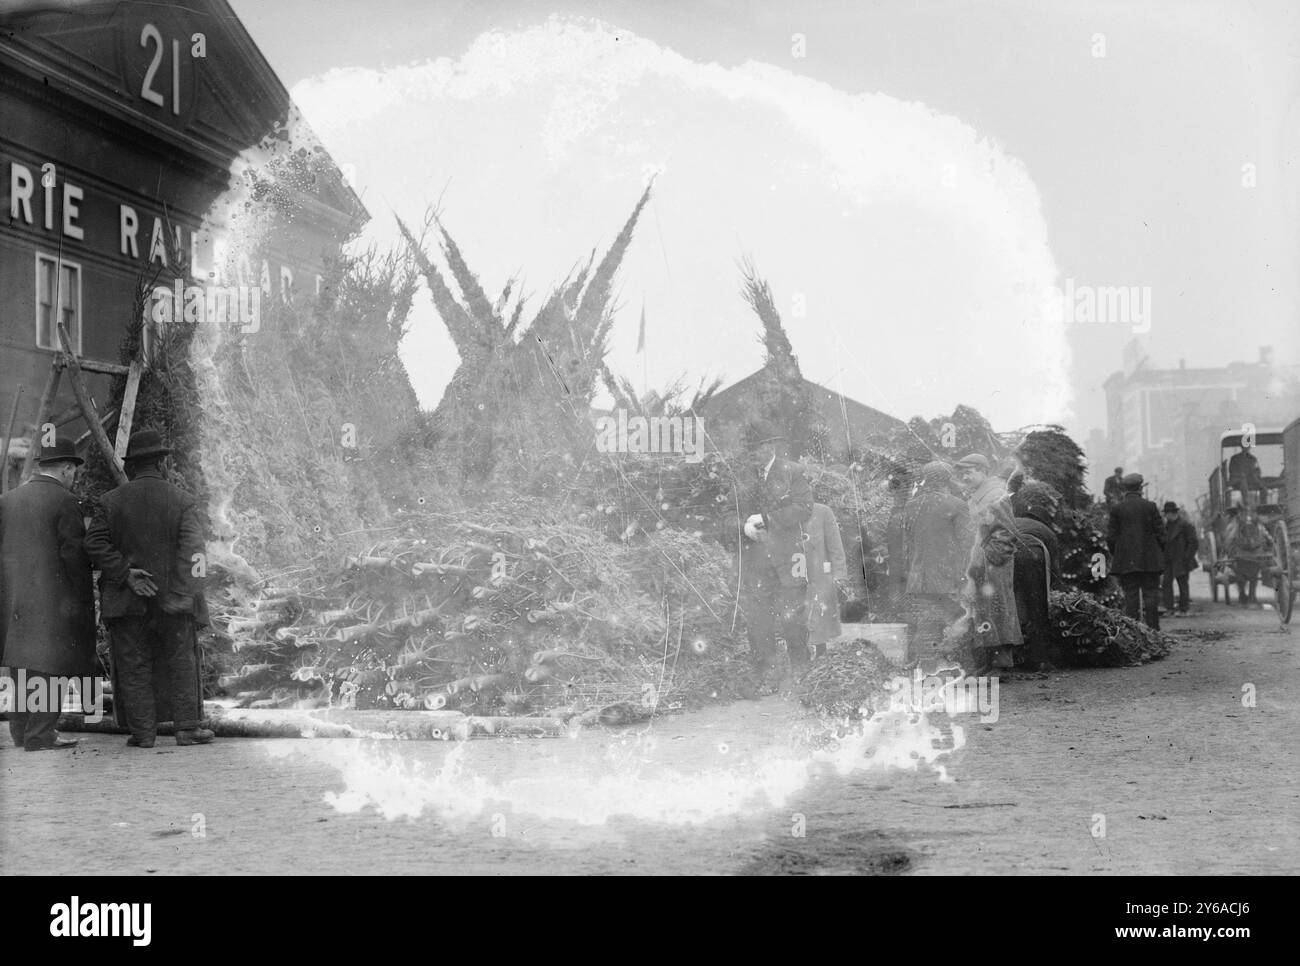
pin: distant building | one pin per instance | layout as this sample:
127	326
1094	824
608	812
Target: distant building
848	422
1166	423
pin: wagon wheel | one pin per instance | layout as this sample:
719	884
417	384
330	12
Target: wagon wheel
1212	553
1284	572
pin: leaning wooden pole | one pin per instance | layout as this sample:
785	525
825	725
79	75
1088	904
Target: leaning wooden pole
88	408
9	434
42	416
126	415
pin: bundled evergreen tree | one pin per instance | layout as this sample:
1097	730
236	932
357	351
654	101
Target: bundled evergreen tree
787	410
517	410
1050	456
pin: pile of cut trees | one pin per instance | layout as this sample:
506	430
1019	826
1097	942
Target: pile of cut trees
540	618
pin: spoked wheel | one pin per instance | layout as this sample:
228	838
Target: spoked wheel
1284	574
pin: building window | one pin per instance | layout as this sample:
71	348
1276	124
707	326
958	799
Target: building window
58	299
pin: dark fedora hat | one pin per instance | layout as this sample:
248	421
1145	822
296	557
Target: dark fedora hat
144	444
64	450
1171	506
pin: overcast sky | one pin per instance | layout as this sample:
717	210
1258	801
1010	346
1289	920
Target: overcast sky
913	176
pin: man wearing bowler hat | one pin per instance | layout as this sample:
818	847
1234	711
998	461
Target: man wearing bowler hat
1136	536
1181	543
47	600
147	542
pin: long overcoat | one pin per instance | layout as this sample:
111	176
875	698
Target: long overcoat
826	565
47	600
1181	543
153	525
1136	534
150	524
936	542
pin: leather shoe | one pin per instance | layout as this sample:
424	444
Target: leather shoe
135	742
196	736
59	744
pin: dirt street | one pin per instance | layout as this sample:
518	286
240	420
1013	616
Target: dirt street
1159	769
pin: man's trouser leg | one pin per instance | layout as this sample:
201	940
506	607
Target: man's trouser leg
35	729
1167	591
1151	600
131	644
176	664
1132	585
1184	593
760	623
15	722
792	614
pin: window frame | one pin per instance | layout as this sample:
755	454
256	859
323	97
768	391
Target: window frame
59	264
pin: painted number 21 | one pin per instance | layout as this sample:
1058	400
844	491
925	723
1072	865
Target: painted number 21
150	36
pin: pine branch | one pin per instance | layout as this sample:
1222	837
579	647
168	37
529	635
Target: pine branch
704	393
758	295
461	326
470	289
499	309
514	319
591	310
620	388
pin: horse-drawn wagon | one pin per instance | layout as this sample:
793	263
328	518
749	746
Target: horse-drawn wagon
1250	519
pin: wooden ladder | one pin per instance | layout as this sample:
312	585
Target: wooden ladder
67	361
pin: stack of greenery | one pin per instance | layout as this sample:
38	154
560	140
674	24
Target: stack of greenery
505	610
1050	456
628	495
1094	635
852	681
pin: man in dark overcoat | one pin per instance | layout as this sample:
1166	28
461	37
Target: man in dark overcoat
147	542
47	600
1038	568
774	559
1181	543
937	539
1113	491
1136	536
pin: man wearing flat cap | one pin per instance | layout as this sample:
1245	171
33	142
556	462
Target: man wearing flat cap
147	543
47	600
983	489
1136	536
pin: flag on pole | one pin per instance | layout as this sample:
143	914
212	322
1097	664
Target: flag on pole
640	339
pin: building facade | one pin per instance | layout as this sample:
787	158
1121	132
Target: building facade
1166	423
127	133
849	423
